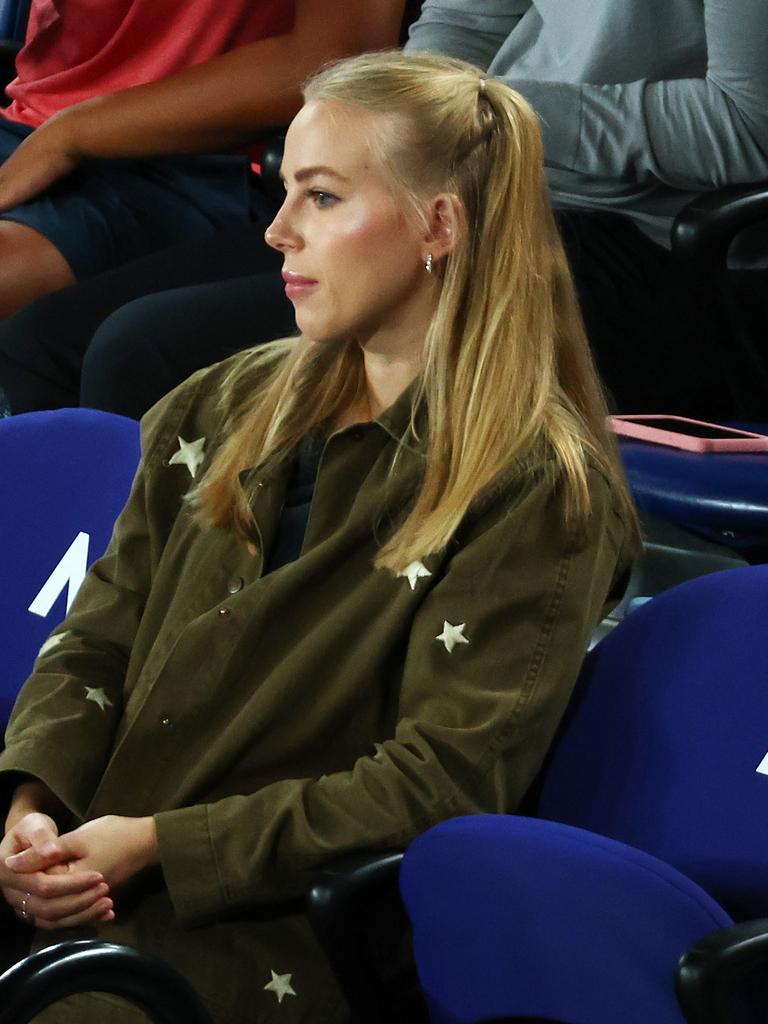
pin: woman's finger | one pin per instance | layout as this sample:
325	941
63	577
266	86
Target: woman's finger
52	912
101	912
52	885
32	859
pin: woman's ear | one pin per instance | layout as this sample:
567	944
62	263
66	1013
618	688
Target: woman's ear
445	224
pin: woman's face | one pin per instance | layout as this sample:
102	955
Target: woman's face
354	262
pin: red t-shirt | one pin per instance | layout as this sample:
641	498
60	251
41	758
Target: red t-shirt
76	49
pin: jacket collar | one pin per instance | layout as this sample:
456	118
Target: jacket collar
396	420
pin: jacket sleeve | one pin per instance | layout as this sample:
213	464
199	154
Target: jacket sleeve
689	133
63	724
475	717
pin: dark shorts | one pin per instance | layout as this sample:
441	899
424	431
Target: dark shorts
110	211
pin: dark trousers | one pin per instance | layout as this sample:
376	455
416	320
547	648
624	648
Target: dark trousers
123	339
660	335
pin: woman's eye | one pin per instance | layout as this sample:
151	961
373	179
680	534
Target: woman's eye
322	199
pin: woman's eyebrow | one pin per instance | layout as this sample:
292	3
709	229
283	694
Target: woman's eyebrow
311	172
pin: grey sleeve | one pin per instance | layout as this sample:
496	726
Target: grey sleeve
473	30
690	133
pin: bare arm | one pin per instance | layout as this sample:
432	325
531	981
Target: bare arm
31	797
230	100
222	104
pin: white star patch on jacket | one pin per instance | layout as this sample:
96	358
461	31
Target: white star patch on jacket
52	641
452	635
280	985
190	454
414	572
98	696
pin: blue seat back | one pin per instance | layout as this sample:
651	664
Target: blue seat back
721	496
66	475
514	916
666	748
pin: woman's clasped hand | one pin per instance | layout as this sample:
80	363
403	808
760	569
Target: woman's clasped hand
63	881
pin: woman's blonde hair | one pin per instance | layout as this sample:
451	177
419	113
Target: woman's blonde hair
507	368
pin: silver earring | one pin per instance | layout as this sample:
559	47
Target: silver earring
428	263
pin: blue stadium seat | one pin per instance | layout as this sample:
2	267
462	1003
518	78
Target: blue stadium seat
656	795
516	917
722	497
66	475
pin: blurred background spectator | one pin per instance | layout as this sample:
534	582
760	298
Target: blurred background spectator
102	174
643	104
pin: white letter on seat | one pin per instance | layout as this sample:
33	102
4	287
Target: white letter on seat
69	573
763	766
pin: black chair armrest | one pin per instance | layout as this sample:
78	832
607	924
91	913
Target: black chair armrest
343	903
271	159
93	966
704	229
343	888
709	972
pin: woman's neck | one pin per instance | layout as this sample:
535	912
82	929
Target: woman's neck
386	378
387	374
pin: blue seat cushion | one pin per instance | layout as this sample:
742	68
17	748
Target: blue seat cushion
517	916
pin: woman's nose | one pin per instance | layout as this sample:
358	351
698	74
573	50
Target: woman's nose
280	235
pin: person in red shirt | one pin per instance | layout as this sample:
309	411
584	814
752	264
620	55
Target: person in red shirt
113	104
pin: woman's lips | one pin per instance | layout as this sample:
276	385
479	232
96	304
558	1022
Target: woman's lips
297	286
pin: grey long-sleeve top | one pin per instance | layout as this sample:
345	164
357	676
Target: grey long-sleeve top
643	103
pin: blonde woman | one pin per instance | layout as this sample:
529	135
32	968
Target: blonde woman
369	611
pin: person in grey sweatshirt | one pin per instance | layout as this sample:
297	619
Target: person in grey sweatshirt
643	104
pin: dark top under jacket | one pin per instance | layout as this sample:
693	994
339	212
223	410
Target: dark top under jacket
292	525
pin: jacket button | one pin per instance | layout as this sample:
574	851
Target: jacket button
235	585
165	722
223	611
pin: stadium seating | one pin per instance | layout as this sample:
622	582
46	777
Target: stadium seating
66	475
721	497
656	808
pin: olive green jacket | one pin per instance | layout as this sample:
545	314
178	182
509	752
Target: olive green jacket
272	722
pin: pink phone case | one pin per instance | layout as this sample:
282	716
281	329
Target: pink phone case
642	428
